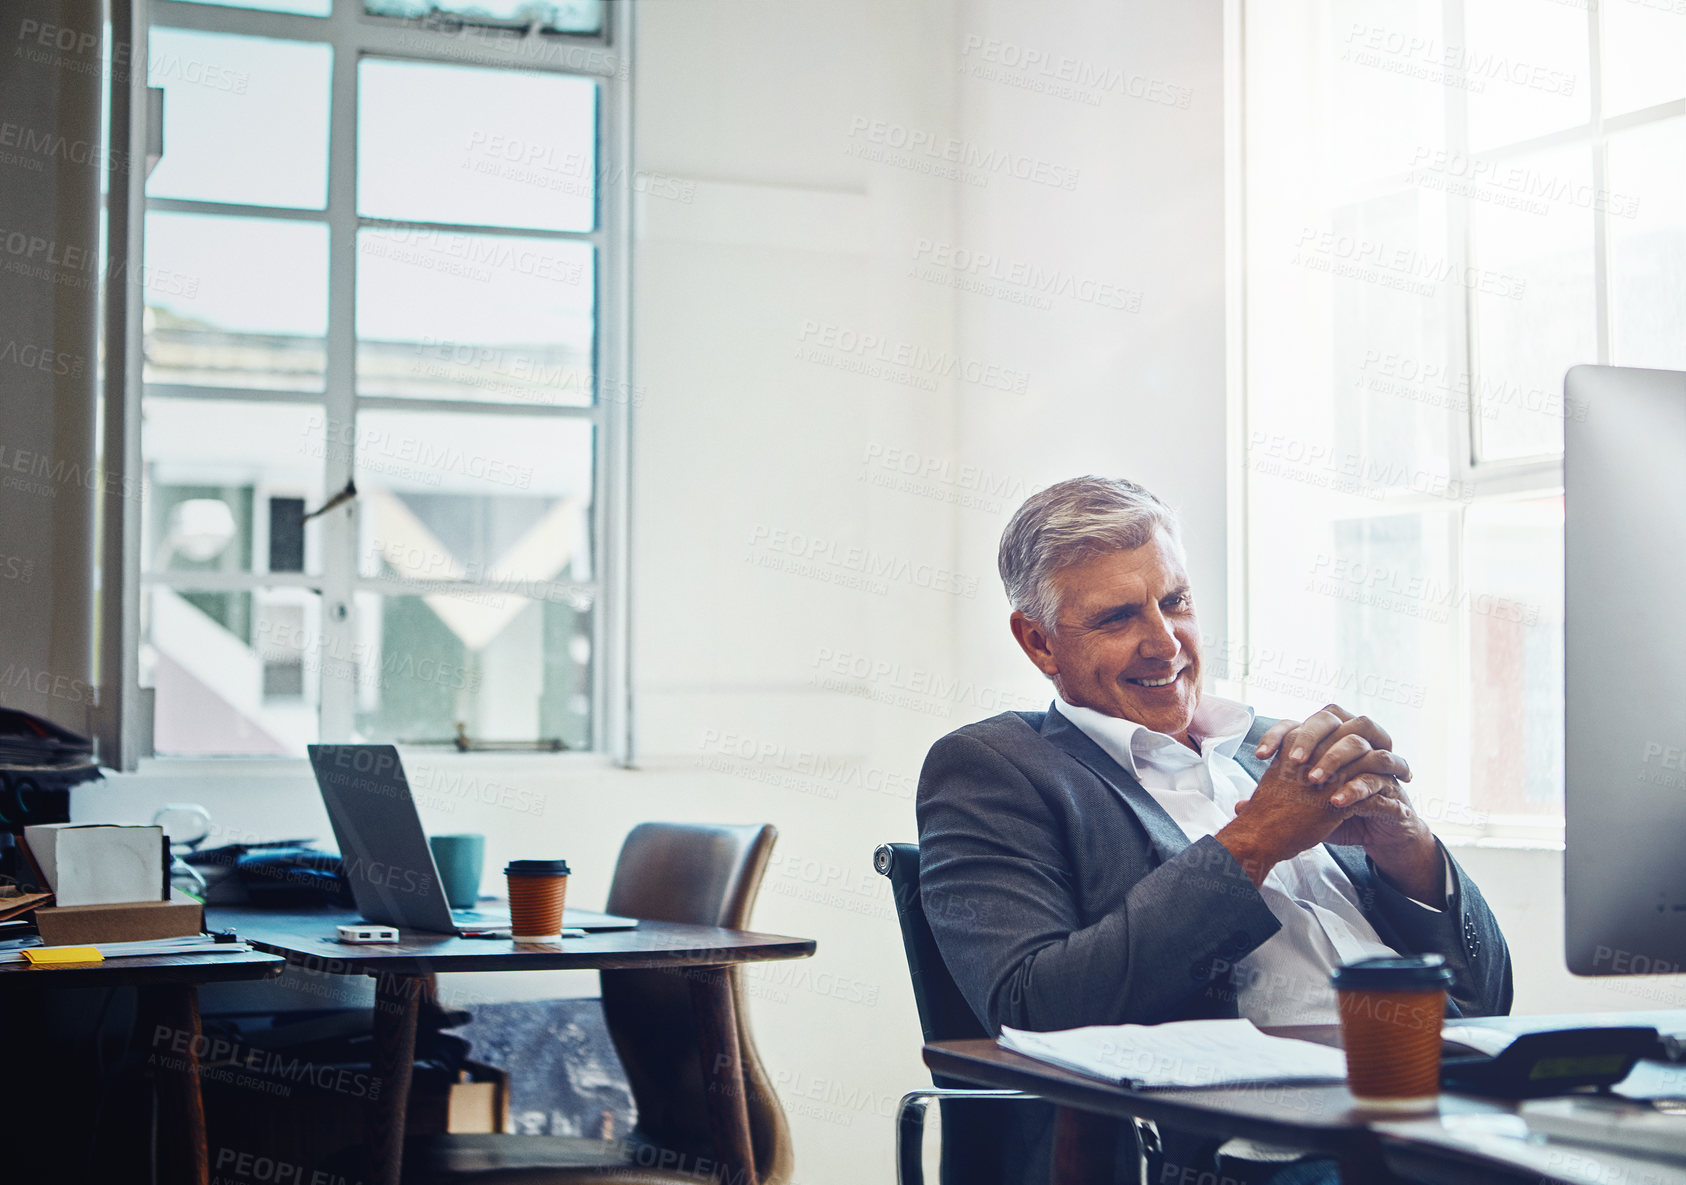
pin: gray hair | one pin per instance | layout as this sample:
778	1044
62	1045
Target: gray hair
1070	522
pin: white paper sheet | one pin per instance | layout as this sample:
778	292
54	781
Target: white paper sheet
1185	1053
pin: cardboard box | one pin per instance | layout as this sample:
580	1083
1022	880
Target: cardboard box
72	925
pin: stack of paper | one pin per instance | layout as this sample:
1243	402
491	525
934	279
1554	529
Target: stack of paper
1186	1053
12	952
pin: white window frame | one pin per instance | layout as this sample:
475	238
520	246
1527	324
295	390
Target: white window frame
1494	480
125	718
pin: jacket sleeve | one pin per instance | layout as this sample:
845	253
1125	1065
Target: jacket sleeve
1465	932
1002	900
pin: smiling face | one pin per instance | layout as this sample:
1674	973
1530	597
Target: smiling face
1126	642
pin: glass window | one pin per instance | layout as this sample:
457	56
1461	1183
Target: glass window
1385	95
552	16
217	89
495	499
224	481
489	318
1514	613
1441	222
301	7
503	666
1646	206
1533	305
438	348
1644	54
1523	68
456	144
232	673
235	302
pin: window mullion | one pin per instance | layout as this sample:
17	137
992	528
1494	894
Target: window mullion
339	529
1600	184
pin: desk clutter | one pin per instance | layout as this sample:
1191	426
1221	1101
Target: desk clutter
102	883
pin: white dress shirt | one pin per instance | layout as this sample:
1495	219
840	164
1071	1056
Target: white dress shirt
1284	981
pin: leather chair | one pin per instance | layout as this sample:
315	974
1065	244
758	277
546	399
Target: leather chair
971	1151
971	1120
705	874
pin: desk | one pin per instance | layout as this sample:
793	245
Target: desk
403	974
1320	1118
1464	1144
168	989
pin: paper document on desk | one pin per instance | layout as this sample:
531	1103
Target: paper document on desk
1183	1053
12	951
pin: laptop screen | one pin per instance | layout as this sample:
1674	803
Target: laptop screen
387	858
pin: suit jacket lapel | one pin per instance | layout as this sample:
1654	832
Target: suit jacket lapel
1163	833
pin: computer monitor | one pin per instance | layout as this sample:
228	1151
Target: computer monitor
1624	551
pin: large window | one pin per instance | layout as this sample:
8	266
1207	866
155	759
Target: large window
381	402
1448	203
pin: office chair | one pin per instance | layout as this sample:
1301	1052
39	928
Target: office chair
704	874
972	1133
971	1152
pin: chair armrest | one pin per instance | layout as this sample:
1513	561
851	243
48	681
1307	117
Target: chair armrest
910	1126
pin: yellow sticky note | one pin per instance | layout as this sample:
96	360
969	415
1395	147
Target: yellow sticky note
63	954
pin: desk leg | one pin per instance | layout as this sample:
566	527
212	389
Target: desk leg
717	1037
174	1009
397	1008
1083	1147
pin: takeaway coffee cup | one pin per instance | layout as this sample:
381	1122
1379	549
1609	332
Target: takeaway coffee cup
536	889
1391	1011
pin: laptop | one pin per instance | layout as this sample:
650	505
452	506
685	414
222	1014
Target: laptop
386	854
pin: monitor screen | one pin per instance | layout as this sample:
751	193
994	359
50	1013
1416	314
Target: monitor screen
1624	487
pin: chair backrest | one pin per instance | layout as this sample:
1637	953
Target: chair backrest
703	874
944	1014
972	1131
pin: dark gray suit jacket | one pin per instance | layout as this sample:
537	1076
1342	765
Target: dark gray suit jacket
1061	894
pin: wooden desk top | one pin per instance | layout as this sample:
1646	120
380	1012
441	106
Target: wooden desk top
1321	1117
307	939
144	971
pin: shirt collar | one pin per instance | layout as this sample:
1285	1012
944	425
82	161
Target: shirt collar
1218	726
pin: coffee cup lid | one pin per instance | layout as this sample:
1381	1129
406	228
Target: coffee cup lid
1393	973
536	868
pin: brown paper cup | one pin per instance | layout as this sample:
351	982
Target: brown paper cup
1391	1013
536	892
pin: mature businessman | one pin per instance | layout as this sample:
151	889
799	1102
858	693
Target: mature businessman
1145	852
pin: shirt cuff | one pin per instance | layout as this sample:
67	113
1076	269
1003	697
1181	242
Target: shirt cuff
1446	867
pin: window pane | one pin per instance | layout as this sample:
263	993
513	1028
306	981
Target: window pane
482	147
1390	582
233	672
1523	68
301	7
245	119
506	667
235	301
1359	612
1644	54
1533	307
1395	394
1386	92
491	318
553	16
1513	553
224	480
498	499
1647	228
